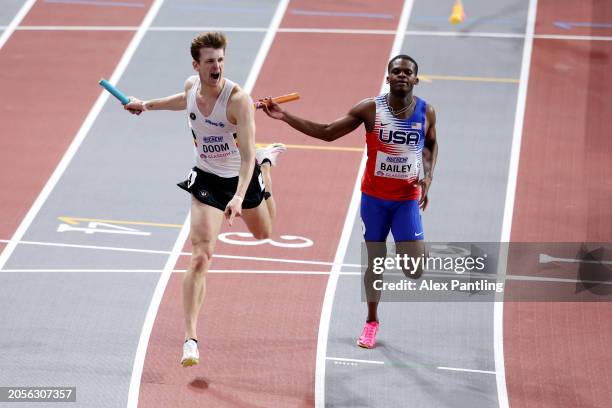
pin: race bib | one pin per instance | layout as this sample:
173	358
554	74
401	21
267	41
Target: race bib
397	167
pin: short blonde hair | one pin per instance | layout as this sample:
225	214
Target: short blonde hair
214	40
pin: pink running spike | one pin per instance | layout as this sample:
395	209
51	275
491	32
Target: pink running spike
368	335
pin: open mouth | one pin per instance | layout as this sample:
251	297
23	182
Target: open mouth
215	76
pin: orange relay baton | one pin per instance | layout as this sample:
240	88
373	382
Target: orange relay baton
279	99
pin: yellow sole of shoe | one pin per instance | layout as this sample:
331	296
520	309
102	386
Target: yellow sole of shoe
189	362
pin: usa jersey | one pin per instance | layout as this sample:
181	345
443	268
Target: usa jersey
394	148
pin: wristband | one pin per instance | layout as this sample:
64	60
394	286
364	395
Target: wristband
238	197
144	108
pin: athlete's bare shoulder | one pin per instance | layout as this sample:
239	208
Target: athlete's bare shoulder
430	115
239	104
189	82
430	110
238	99
238	95
366	111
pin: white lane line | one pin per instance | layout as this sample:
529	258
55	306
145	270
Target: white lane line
268	272
211	28
424	33
515	152
332	282
353	360
539	279
149	321
180	242
77	28
466	34
572	37
544	258
466	370
280	30
80	270
375	362
14	24
219	271
95	247
154	251
80	136
337	31
544	279
534	278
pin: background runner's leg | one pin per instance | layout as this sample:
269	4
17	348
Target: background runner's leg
266	172
260	220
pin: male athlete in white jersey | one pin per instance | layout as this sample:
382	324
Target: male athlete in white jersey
399	126
226	179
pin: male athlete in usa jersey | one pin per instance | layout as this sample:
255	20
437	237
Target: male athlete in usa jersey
401	140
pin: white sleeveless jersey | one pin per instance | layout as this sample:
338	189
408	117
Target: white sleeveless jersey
215	148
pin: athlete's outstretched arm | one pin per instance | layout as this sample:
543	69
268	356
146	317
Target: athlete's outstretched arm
174	102
241	109
430	154
327	132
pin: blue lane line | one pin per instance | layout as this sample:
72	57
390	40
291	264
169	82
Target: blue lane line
472	19
97	3
221	9
341	14
568	26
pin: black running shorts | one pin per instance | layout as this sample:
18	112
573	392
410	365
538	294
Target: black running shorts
216	191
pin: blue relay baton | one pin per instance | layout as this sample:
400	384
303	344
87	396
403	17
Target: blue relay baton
114	91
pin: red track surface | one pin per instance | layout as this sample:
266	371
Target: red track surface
258	333
56	73
556	354
585	11
46	14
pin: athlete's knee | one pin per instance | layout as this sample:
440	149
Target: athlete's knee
413	271
263	234
202	253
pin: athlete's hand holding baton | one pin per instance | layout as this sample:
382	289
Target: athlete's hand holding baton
272	108
135	106
272	103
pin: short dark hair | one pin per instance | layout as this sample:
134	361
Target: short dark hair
406	57
214	40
